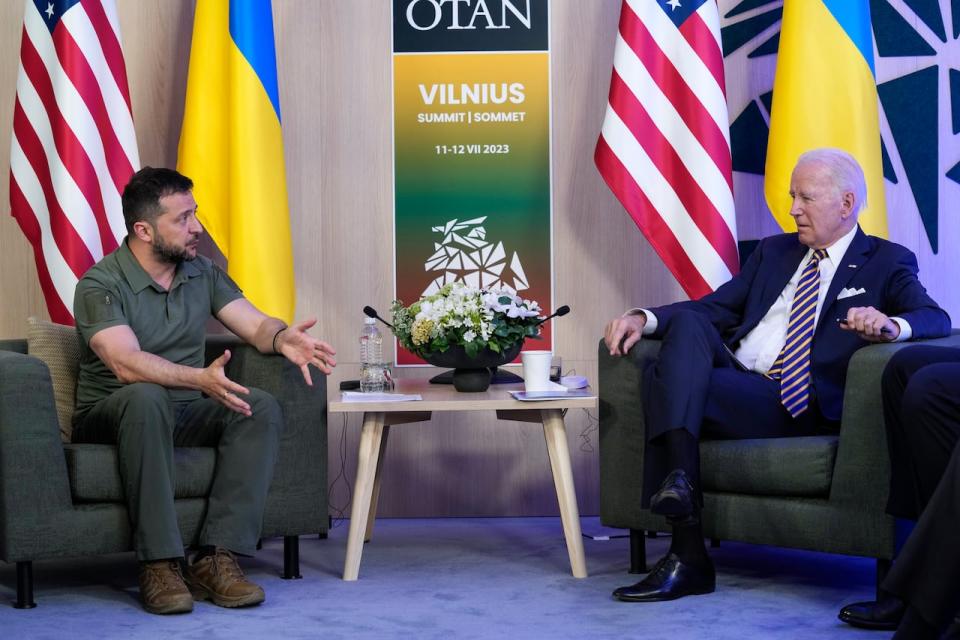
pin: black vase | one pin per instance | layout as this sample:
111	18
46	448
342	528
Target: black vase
472	374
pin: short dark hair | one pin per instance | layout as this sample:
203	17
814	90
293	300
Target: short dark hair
141	196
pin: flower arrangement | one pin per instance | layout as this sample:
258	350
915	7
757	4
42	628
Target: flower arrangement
476	319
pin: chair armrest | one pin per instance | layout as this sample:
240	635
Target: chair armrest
297	502
862	450
622	431
34	487
17	345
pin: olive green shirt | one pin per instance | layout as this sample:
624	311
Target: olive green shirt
170	324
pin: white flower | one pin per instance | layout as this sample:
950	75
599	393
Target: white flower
468	315
492	302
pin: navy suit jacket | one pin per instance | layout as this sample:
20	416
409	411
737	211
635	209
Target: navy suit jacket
885	270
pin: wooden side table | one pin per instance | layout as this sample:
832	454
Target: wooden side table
379	417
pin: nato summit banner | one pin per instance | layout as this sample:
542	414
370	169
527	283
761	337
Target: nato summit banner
471	90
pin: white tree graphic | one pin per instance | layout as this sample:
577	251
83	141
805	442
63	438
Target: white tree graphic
464	253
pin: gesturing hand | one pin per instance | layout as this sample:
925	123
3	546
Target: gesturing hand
302	349
628	329
216	384
871	325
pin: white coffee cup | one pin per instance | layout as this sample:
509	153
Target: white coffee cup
536	370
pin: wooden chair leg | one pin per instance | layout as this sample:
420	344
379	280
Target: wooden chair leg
291	558
25	586
638	551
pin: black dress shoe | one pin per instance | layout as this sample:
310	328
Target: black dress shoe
884	614
675	497
670	579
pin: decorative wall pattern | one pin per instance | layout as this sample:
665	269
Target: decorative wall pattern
916	54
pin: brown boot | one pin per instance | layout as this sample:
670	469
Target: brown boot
162	589
218	577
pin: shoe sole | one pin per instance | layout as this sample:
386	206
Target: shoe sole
230	603
696	592
176	607
873	626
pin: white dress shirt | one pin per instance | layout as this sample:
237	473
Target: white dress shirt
761	346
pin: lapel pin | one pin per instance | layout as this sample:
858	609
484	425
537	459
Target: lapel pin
852	266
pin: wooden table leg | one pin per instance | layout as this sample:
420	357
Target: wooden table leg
555	434
367	455
376	485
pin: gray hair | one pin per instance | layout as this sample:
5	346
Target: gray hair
844	170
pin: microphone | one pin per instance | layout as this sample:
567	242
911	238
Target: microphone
370	312
562	311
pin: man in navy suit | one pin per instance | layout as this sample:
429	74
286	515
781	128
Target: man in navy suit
766	354
921	410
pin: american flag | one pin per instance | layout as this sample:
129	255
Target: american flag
664	148
73	146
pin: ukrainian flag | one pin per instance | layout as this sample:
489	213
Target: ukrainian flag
231	146
825	95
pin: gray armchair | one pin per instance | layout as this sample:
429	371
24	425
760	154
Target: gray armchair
824	493
63	500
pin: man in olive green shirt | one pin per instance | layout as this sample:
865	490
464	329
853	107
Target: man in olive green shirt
141	313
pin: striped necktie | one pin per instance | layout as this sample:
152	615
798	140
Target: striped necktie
792	366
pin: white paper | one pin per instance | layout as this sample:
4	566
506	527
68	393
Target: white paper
536	396
359	396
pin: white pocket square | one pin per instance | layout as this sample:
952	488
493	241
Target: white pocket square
849	293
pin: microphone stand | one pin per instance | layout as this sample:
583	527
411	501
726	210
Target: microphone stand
370	312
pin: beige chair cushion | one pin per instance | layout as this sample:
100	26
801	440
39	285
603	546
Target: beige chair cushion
58	347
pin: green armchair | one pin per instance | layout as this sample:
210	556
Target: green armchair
61	500
824	493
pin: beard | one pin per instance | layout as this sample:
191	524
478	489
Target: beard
169	253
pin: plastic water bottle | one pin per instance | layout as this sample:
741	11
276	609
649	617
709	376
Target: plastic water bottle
372	377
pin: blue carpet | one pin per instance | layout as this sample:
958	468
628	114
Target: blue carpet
457	578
